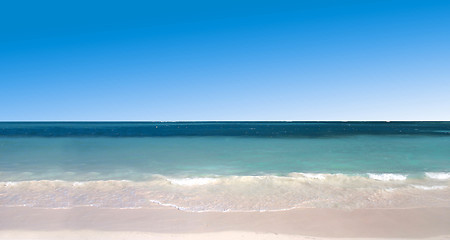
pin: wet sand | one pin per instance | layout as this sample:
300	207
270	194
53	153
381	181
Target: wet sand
169	223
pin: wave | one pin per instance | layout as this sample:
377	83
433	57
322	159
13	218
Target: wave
314	175
191	181
235	193
387	177
438	175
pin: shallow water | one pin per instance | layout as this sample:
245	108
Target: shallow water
248	166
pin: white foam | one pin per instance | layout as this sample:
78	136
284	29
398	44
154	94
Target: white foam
438	175
314	175
10	184
167	205
429	187
216	210
390	189
191	181
387	177
78	184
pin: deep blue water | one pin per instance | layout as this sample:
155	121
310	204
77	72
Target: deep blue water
238	129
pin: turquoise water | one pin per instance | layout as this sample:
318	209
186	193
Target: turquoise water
213	165
139	158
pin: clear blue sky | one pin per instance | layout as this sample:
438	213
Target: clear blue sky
225	60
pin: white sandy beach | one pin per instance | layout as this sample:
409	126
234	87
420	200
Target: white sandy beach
168	223
91	235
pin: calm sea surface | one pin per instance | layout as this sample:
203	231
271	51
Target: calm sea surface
225	166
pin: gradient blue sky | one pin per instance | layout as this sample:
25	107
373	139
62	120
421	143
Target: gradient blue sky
225	60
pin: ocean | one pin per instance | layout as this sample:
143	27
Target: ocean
225	166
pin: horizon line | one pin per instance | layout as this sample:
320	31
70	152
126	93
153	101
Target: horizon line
3	121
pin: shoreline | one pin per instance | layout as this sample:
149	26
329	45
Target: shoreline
165	222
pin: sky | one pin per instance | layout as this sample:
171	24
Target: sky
225	60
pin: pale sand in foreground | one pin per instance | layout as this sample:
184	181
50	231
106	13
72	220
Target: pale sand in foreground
95	235
167	223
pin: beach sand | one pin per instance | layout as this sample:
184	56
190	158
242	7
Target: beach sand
169	223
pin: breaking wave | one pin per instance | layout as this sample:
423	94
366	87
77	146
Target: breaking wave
236	193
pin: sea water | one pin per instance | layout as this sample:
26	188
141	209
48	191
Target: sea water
225	166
